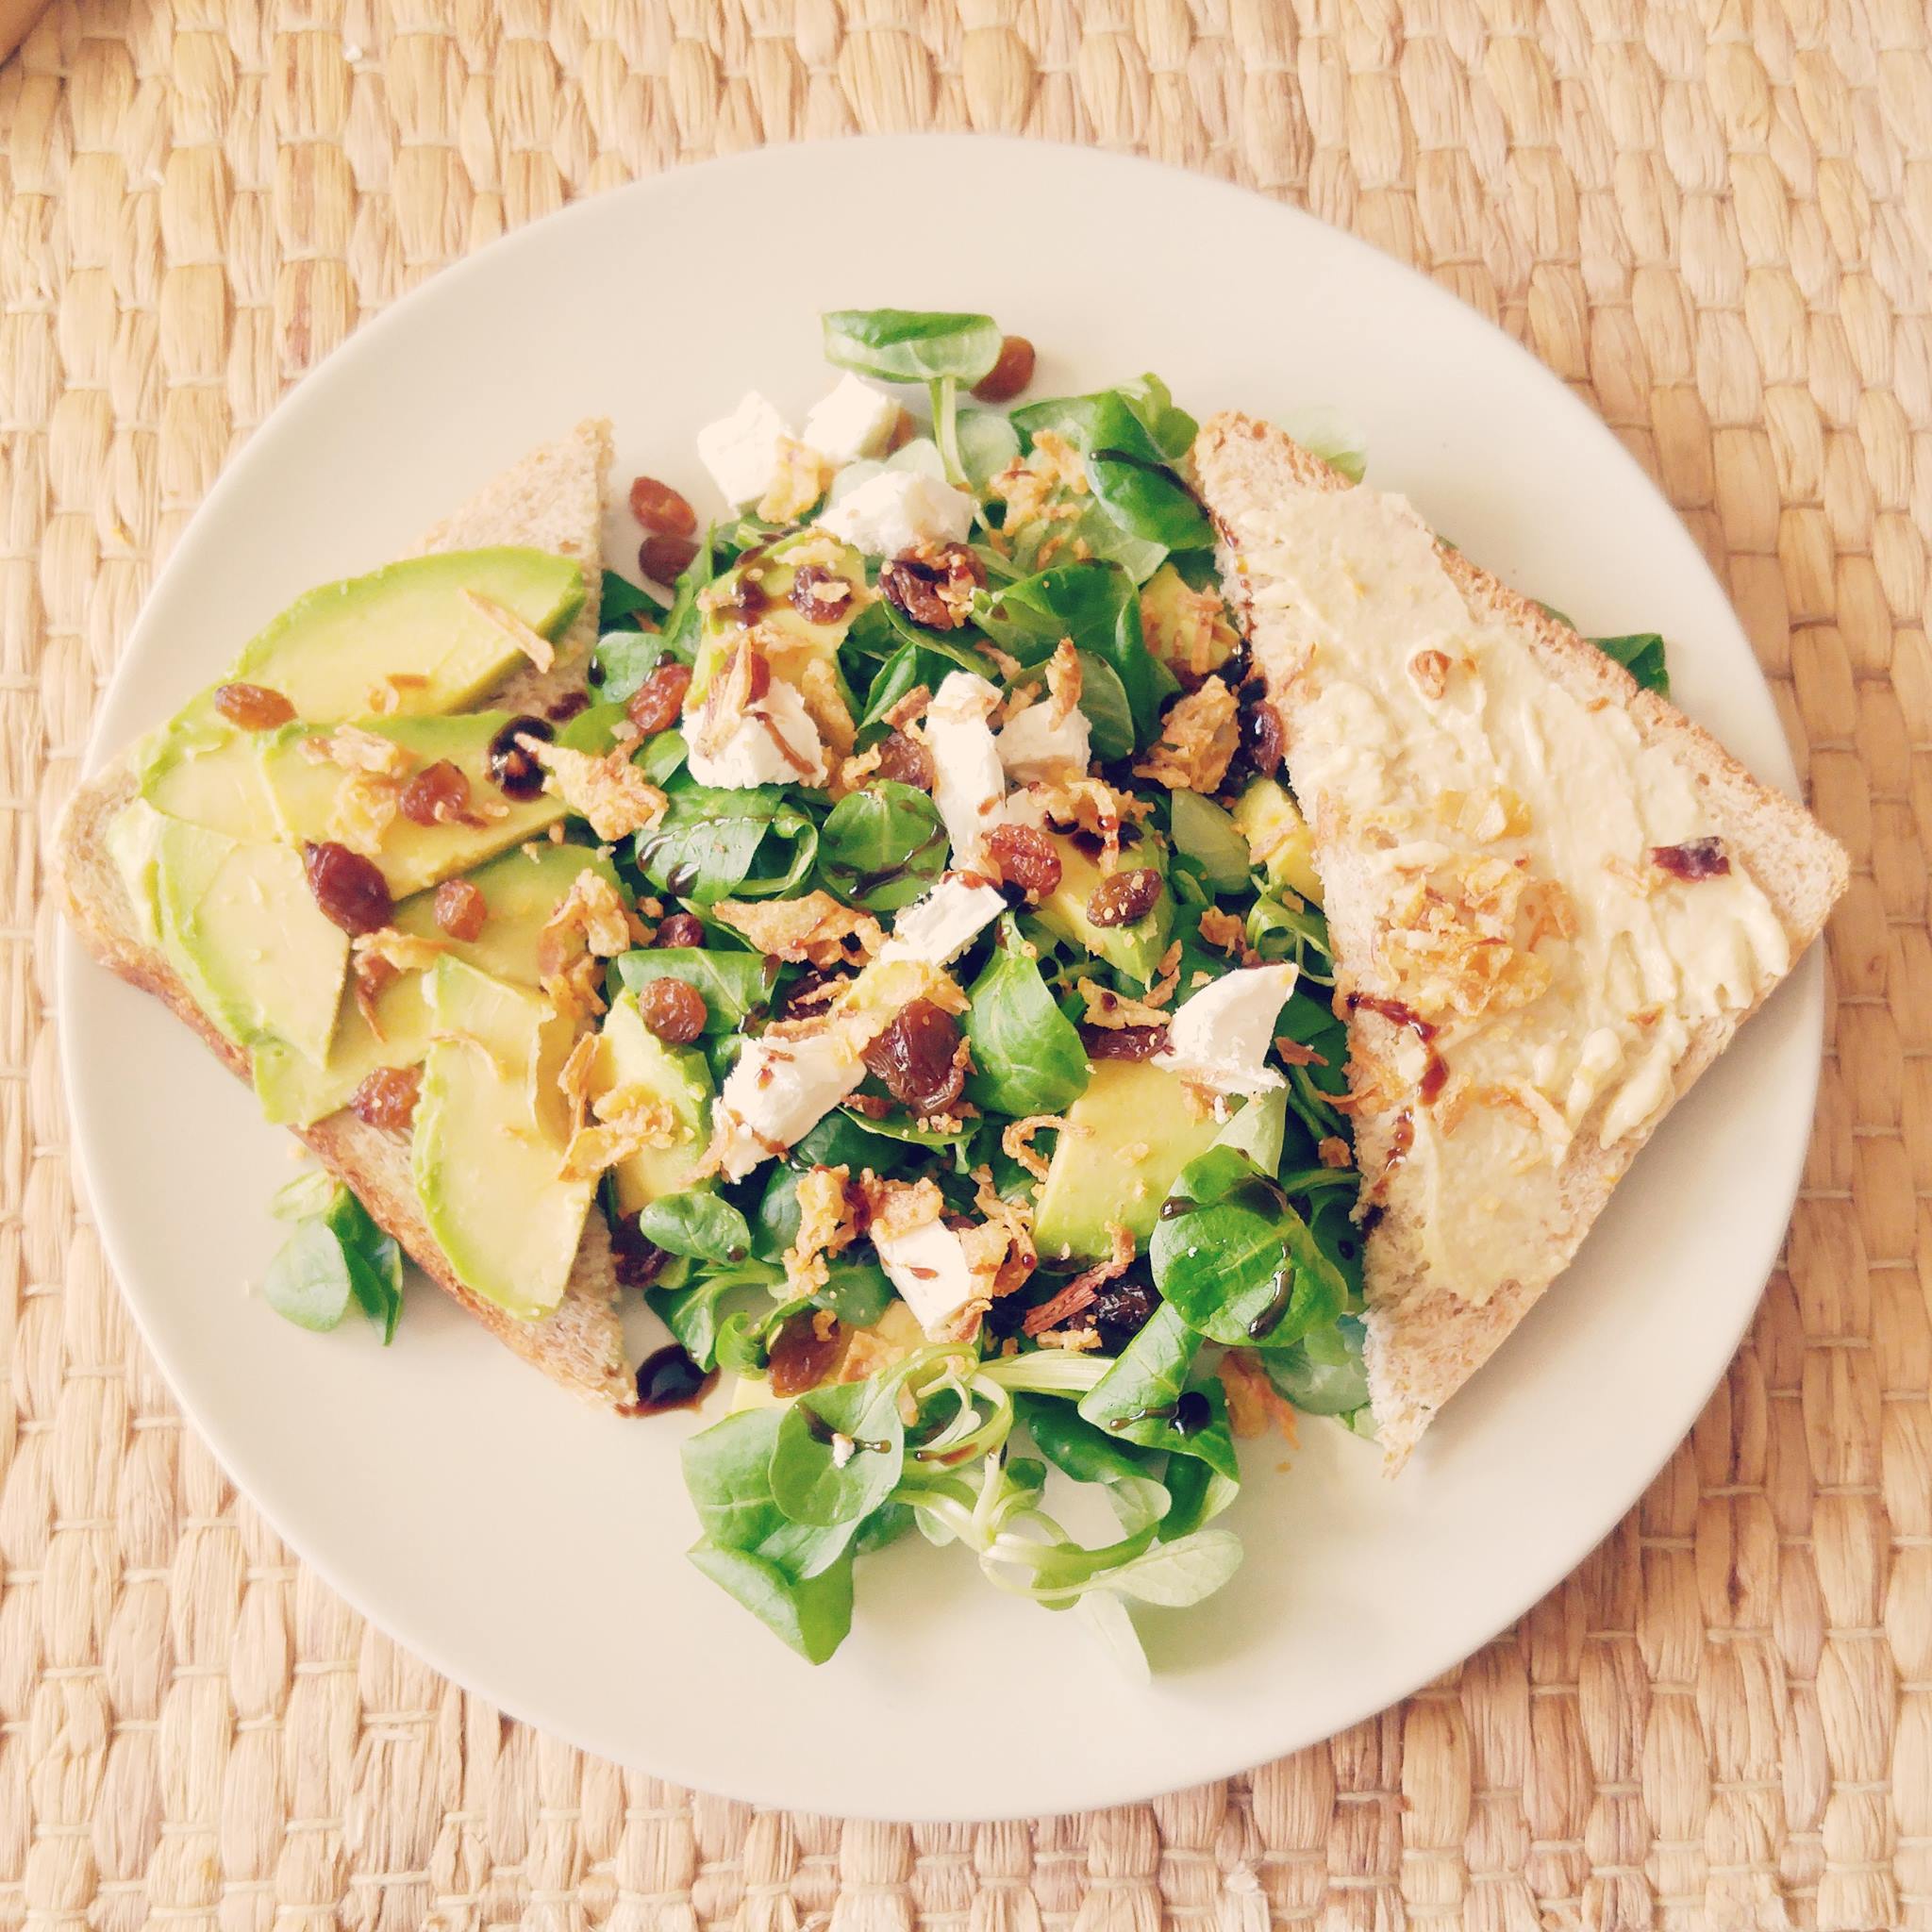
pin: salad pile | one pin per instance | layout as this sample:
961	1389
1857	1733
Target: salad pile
1088	1211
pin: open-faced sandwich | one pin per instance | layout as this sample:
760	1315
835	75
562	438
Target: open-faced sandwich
889	939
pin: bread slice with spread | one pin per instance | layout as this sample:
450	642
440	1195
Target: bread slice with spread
1551	898
539	523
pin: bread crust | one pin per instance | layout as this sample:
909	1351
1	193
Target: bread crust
551	500
1422	1341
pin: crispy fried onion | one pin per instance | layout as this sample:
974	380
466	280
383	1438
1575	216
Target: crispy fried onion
1016	1140
629	1119
1224	930
1015	1218
828	1223
350	748
532	644
1254	1405
1084	1290
589	927
815	930
1198	737
1461	939
610	791
798	481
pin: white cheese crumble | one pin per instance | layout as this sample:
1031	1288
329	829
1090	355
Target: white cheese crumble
1036	750
855	420
779	1090
752	755
741	450
897	509
970	783
943	924
927	1265
1219	1038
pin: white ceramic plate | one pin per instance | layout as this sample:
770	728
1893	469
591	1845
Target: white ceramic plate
534	1550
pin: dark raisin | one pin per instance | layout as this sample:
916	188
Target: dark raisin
664	559
905	761
1123	1308
461	910
1123	897
513	770
1696	858
350	889
567	707
252	707
933	585
1261	737
638	1262
657	703
659	506
821	595
1009	374
801	1357
437	794
917	1057
1026	859
672	1010
810	993
680	929
388	1098
1123	1042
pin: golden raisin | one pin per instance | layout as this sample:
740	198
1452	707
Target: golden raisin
801	1357
672	1010
461	910
388	1098
350	889
1009	374
252	707
663	559
905	761
1123	897
680	929
918	1058
437	794
659	506
821	595
656	703
1026	857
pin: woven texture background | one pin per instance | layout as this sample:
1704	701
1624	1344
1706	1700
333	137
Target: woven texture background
1716	221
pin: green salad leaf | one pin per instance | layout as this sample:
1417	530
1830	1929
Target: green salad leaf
1642	655
840	1450
335	1257
911	344
732	983
715	844
696	1223
1147	1396
1027	1057
882	847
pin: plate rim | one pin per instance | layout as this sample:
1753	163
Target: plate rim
73	966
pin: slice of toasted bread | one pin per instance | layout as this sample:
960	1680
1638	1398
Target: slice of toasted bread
552	500
1428	1328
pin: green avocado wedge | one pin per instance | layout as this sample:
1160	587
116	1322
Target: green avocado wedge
629	1054
424	628
1135	949
489	1140
239	925
1140	1132
521	890
303	793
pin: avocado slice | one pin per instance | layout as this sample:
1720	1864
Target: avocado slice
242	927
199	768
133	835
303	793
791	639
1186	628
522	891
410	621
1135	949
1278	838
630	1054
487	1147
1142	1133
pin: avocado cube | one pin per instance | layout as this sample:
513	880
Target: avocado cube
759	586
630	1054
1141	1133
1186	628
1278	838
1135	950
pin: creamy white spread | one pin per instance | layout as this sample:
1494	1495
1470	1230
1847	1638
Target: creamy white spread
1509	827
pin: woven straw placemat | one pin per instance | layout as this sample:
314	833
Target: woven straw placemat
1716	222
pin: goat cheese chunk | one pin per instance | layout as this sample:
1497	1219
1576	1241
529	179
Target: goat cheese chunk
753	754
741	450
1035	749
943	924
779	1090
928	1266
969	783
855	420
897	509
1219	1038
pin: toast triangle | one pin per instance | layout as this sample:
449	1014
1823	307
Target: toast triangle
1426	1338
551	499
